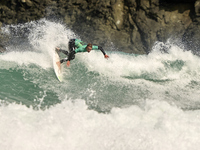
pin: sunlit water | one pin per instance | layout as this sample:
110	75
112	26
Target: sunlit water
130	102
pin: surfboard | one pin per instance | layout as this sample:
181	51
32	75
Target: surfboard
57	70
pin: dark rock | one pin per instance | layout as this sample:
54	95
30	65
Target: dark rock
191	37
131	25
197	8
118	14
2	49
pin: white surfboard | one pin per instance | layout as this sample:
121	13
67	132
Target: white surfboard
58	71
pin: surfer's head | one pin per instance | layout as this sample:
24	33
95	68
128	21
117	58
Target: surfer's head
89	47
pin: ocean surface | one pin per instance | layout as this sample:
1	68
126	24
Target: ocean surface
128	102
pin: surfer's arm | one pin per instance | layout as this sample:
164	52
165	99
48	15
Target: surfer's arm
71	55
101	49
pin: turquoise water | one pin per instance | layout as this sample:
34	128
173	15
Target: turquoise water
126	102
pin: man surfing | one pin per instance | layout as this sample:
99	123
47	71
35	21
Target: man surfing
77	46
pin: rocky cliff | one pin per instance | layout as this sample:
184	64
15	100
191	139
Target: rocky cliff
131	25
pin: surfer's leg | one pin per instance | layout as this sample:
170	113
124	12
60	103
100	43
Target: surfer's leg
61	50
64	52
58	63
63	60
71	45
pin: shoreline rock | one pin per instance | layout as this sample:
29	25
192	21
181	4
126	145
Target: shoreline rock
131	25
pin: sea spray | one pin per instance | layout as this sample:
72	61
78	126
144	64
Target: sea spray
126	102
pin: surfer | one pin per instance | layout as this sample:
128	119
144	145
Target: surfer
76	46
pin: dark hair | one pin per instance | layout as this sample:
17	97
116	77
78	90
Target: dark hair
89	45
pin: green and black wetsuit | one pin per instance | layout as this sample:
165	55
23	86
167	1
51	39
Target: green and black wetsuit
77	46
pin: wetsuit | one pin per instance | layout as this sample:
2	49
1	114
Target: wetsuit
77	46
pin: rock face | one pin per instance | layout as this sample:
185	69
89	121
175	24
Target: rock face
131	25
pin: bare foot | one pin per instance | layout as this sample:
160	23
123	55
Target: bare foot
58	63
57	49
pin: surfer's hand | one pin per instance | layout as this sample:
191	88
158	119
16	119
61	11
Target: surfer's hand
68	63
106	56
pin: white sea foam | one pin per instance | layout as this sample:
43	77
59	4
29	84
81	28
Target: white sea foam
71	126
155	63
42	38
163	81
27	58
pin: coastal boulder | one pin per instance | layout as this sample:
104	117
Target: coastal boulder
127	25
